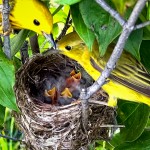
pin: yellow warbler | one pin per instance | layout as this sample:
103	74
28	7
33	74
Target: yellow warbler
129	80
32	15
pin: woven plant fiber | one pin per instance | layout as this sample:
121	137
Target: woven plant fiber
58	126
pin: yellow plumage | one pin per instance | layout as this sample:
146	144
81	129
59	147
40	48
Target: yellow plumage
30	14
129	80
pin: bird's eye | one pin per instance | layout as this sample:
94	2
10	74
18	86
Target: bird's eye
36	22
68	48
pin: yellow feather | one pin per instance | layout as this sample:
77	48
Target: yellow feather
129	81
24	13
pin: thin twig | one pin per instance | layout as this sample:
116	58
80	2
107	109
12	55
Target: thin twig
24	52
10	138
66	27
34	44
127	29
112	126
111	11
98	102
85	109
6	27
1	43
142	25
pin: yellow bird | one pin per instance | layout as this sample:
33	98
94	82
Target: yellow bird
32	15
129	81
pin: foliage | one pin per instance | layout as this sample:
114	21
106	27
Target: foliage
91	22
6	83
8	129
122	5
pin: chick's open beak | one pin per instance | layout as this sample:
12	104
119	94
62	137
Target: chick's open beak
50	38
66	93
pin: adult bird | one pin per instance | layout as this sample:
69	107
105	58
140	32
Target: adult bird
128	81
32	15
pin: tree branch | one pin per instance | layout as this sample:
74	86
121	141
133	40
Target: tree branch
6	27
128	27
66	27
142	25
111	11
112	126
24	52
34	44
98	102
85	109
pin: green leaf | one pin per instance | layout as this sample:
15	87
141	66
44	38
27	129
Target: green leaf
46	2
145	54
122	5
66	2
55	30
142	143
100	22
59	16
86	34
125	110
144	17
17	63
43	45
2	112
18	40
146	34
148	123
7	75
131	115
134	42
148	10
116	140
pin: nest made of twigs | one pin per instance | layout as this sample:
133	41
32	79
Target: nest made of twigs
55	126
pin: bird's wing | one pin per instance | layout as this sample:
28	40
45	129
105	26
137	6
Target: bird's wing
133	76
128	72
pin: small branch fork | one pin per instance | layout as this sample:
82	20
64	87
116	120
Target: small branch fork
118	17
6	27
128	27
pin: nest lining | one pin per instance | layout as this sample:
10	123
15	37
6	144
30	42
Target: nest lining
49	126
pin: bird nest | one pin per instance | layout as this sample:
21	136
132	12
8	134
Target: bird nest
47	91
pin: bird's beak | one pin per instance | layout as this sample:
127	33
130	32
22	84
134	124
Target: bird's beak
50	38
